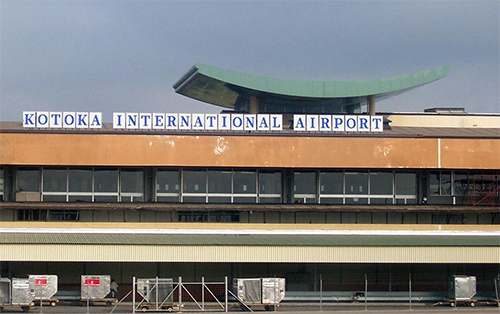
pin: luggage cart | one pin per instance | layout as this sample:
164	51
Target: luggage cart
463	290
15	293
157	294
96	289
259	291
44	288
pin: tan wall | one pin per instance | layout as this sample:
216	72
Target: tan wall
246	151
248	254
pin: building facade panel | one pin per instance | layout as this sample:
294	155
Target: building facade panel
217	151
248	254
470	154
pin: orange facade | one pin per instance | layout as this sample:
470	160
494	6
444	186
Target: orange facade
45	149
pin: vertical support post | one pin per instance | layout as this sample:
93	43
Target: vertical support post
320	292
88	300
156	294
276	289
254	104
41	298
366	293
409	285
203	293
225	294
133	295
180	293
371	105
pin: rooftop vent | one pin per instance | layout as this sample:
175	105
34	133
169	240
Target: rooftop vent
448	110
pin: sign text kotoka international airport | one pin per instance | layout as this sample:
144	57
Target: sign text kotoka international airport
197	121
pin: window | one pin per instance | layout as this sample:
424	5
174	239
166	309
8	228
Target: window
195	186
331	187
244	186
131	185
304	187
270	187
381	188
439	183
28	180
406	187
460	184
106	185
167	185
356	186
219	186
1	185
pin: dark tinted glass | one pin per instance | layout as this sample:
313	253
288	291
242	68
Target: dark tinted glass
54	180
331	183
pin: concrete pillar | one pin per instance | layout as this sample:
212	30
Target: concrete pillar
371	105
254	104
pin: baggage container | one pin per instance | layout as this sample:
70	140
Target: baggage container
252	291
463	288
95	287
156	293
21	293
44	288
5	291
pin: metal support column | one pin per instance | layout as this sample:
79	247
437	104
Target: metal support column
371	105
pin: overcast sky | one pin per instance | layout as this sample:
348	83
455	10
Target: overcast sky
124	56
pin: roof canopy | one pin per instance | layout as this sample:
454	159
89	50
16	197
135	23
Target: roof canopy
224	87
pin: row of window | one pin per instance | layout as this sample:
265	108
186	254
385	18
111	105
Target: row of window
243	186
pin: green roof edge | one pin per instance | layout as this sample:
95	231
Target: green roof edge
319	89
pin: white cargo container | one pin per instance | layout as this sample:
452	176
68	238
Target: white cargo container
267	291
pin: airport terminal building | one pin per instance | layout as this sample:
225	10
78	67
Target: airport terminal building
294	179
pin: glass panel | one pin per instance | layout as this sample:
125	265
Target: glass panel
304	183
1	182
331	183
106	180
244	182
356	183
54	198
270	200
434	183
489	184
445	183
270	182
194	181
327	200
381	201
244	200
80	198
28	180
381	183
219	181
224	217
168	199
105	199
54	180
354	201
460	183
220	200
132	181
80	180
167	181
194	199
406	183
192	217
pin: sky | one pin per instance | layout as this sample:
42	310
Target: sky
124	56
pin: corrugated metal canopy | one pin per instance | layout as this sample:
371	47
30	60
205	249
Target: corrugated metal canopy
222	87
246	240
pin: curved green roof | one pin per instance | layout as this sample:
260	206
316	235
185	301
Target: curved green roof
222	87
